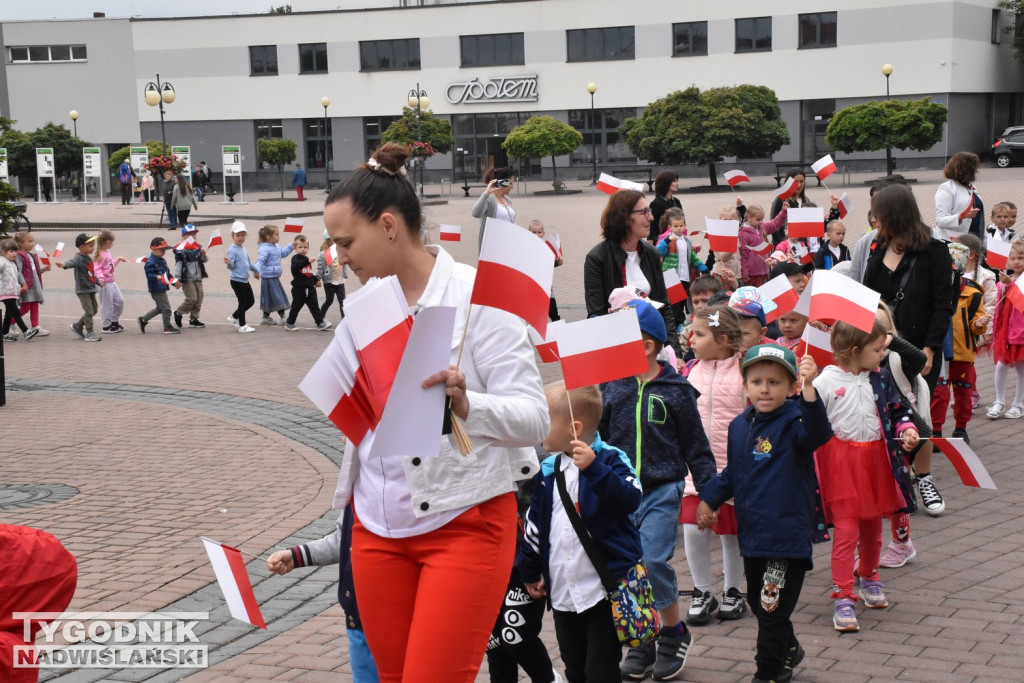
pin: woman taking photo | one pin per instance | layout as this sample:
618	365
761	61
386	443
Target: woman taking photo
494	202
433	539
666	184
626	259
958	208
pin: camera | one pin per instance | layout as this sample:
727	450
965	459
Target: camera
503	183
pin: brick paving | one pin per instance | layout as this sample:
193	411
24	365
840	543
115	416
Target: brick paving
160	434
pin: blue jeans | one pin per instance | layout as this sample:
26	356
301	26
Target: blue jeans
657	518
364	670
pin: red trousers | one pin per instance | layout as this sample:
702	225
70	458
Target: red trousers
849	535
298	192
428	603
963	378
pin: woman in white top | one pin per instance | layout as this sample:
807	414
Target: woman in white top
494	202
433	538
956	202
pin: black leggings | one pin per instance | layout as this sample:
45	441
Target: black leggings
330	291
11	313
515	641
246	300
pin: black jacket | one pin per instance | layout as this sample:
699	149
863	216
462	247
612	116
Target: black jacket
302	272
826	260
603	271
923	315
659	205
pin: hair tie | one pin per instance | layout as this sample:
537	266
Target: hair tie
376	166
713	319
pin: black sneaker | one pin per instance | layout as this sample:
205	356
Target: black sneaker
639	662
172	330
106	328
734	605
177	319
793	659
142	324
31	332
933	503
702	606
962	434
672	653
115	328
195	323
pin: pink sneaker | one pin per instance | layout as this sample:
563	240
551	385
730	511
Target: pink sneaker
897	554
975	399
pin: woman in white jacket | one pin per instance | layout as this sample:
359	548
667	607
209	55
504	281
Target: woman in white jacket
956	202
433	538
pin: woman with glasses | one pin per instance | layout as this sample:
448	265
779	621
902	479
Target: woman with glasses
626	259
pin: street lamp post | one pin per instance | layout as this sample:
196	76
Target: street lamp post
157	94
74	120
418	98
592	88
326	102
887	71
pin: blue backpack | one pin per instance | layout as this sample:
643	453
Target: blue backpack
124	174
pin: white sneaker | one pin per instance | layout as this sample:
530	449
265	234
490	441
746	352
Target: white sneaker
232	320
42	332
246	328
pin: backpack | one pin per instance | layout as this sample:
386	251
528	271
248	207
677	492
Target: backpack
124	174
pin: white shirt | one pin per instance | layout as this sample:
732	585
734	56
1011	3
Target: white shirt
836	252
505	213
575	585
634	276
850	403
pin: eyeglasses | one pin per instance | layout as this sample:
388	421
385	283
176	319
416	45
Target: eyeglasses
646	211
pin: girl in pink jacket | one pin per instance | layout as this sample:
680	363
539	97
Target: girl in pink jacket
1008	339
716	374
753	234
111	299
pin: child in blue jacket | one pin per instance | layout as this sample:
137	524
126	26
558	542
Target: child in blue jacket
552	561
272	296
159	280
770	475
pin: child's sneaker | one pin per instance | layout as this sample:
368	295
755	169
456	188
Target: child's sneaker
734	605
93	337
106	328
115	328
233	321
268	321
897	555
245	329
10	338
172	330
702	606
639	662
195	322
31	332
844	619
933	503
671	654
975	399
78	329
41	332
325	325
177	319
873	593
290	327
142	324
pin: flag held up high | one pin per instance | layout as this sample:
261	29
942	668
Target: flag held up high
824	167
602	349
610	184
833	296
806	222
787	189
294	224
845	205
736	177
723	235
779	290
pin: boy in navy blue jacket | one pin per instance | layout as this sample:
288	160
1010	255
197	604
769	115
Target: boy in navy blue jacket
159	280
552	561
770	475
654	418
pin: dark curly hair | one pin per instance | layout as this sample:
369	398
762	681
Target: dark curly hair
374	189
962	167
663	181
615	219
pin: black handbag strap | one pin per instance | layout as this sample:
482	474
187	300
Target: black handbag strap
589	547
903	284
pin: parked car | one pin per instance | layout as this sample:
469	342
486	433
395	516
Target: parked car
1009	148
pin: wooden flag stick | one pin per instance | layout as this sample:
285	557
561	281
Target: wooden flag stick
462	439
572	420
255	557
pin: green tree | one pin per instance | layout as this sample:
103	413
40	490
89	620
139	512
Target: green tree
542	136
119	156
8	195
276	152
1016	30
903	124
21	152
694	127
436	131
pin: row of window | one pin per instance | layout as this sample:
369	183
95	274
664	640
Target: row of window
263	59
47	53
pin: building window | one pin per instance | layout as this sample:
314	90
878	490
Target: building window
389	55
317	142
689	39
268	128
600	44
496	49
373	129
611	149
263	60
313	58
996	15
47	53
818	30
754	34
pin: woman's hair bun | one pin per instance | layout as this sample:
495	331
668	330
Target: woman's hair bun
391	157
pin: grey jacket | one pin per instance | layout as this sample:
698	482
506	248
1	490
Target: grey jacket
85	279
182	202
485	207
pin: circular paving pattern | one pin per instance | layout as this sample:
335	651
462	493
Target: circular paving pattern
17	496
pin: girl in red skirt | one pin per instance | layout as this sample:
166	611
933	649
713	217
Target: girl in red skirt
862	476
1008	339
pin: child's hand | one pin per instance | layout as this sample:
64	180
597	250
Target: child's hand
24	287
697	248
1003	277
910	439
227	261
318	283
739	201
536	589
558	262
582	454
177	285
835	201
808	368
256	275
706	517
46	267
281	562
983	322
818	325
59	264
122	259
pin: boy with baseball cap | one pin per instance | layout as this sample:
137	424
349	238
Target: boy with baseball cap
770	476
159	279
86	286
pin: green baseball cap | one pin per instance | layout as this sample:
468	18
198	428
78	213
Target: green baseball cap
772	353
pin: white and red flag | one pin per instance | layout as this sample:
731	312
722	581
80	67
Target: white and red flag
824	167
802	253
762	249
602	349
780	291
331	254
610	184
187	243
379	319
514	273
723	235
331	385
58	250
845	205
451	233
233	579
554	243
966	462
215	239
807	222
44	258
736	177
676	290
168	279
998	254
294	224
141	259
1015	293
547	347
787	189
818	345
836	297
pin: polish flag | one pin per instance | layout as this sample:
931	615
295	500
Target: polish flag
514	273
998	254
787	190
233	580
824	167
331	254
451	233
215	239
845	205
141	259
762	249
818	345
187	243
554	243
168	279
331	385
802	253
808	222
610	184
736	177
547	347
676	290
780	291
1015	293
294	224
723	235
966	462
837	297
380	322
58	250
602	349
44	258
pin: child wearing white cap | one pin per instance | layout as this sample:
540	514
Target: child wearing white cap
237	261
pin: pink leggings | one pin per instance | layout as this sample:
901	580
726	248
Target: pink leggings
852	535
32	308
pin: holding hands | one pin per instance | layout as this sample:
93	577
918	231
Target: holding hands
706	517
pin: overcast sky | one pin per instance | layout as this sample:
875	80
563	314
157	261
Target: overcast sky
77	9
